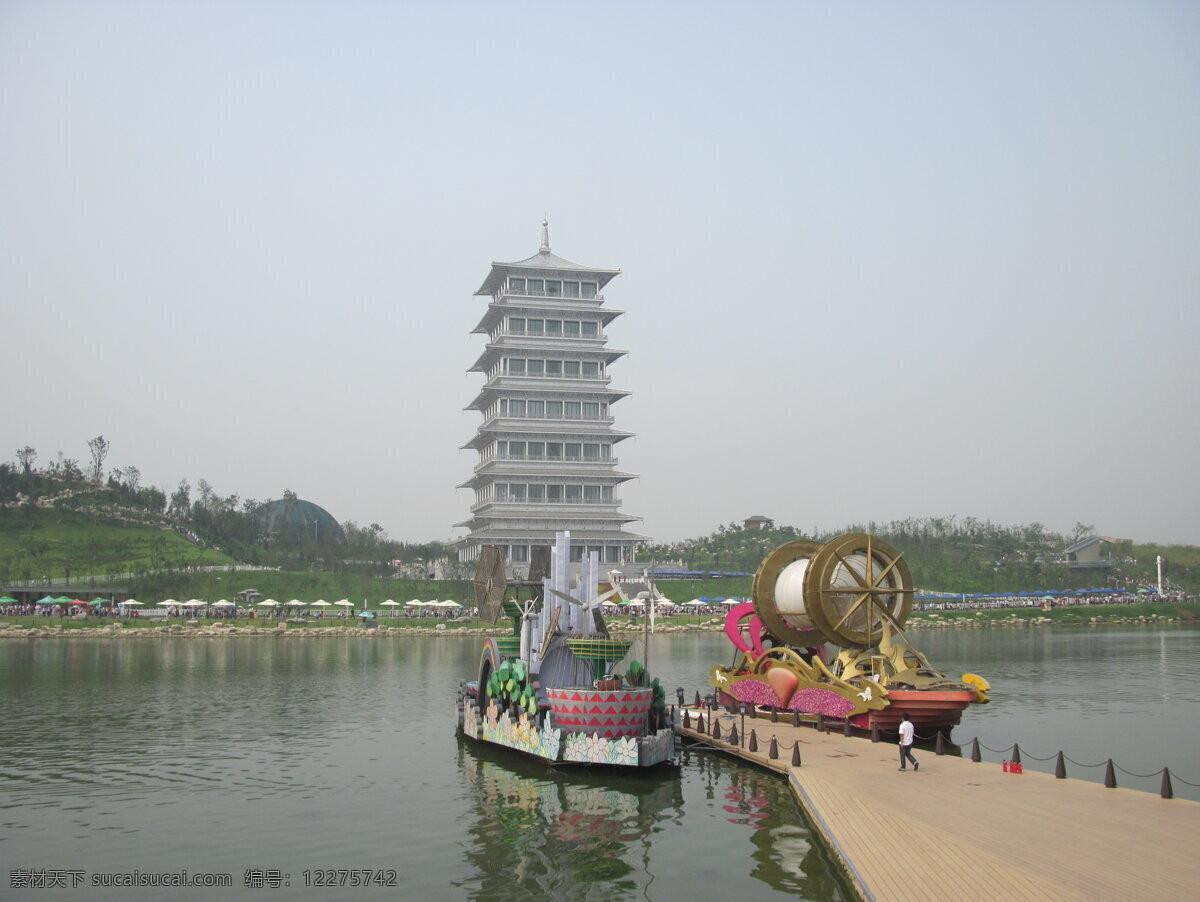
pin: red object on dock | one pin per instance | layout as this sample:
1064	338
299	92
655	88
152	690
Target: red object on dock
1005	765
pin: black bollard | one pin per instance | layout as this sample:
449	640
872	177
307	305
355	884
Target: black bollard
940	747
795	718
773	752
774	714
753	742
1110	776
847	730
874	732
796	754
1060	767
687	719
1016	758
975	756
716	730
697	704
734	739
820	723
1167	792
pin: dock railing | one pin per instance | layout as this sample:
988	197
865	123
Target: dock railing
708	722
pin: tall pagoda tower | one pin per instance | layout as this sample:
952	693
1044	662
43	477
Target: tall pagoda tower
547	444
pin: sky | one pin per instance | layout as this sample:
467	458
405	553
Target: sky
879	260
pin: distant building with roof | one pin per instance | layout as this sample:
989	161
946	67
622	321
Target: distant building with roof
547	442
296	520
1093	552
758	522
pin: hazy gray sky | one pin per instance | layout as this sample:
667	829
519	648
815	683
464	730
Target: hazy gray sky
880	259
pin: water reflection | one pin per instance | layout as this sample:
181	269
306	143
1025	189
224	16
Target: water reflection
540	832
546	833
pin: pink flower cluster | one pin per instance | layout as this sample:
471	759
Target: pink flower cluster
754	691
820	701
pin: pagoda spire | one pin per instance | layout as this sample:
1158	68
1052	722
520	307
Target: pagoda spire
545	248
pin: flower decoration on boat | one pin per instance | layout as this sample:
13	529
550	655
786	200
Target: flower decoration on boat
470	718
783	679
623	751
551	742
822	701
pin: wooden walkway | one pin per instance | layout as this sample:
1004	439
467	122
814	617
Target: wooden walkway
958	831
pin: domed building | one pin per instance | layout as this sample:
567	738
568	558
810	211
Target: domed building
294	520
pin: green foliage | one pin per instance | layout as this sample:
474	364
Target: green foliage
61	543
944	554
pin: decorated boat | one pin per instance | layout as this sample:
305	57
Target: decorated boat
552	688
823	637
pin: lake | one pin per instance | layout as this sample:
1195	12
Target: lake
290	763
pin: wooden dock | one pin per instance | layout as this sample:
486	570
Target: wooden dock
957	830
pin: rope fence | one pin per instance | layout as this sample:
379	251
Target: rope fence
709	711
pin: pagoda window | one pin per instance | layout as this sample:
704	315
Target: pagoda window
591	493
554	286
554	493
589	289
591	410
537	494
516	491
572	410
537	409
591	369
591	451
571	328
516	408
571	289
571	368
502	450
554	327
516	450
516	284
516	325
574	493
554	410
576	554
596	550
516	366
554	450
574	451
535	286
612	554
535	326
501	491
606	493
503	408
519	554
606	452
537	450
589	329
554	367
536	367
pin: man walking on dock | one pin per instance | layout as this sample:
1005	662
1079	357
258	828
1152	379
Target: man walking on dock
906	741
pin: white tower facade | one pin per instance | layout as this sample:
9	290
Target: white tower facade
547	443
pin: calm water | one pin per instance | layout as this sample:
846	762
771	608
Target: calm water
285	756
298	755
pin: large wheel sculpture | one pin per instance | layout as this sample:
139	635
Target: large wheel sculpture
841	592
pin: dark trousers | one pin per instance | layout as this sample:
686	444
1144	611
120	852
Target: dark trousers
906	752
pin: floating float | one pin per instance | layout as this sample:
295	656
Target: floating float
550	690
824	637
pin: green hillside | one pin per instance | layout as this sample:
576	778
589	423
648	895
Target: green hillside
951	555
65	544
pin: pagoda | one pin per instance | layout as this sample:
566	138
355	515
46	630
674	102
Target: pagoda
547	443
